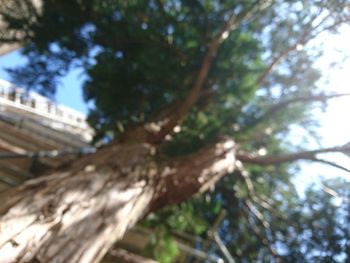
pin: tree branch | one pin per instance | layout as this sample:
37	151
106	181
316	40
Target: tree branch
252	196
309	33
211	232
260	236
284	103
331	164
206	64
223	248
289	157
273	64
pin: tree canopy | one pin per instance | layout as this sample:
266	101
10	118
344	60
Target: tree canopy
191	73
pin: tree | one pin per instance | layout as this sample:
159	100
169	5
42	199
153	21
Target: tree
285	228
269	225
185	91
323	217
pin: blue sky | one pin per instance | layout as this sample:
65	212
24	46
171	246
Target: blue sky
69	93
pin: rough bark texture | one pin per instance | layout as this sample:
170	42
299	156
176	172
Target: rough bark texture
75	215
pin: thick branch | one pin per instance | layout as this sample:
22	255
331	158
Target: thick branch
195	173
290	157
196	88
206	64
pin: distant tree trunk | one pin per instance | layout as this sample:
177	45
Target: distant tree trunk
76	214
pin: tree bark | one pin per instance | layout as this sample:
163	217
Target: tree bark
76	214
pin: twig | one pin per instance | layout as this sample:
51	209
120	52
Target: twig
330	163
286	102
223	248
264	241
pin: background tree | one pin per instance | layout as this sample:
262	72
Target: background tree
188	91
283	227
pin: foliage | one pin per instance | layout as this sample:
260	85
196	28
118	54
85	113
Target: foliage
148	61
141	59
181	217
322	232
292	229
162	246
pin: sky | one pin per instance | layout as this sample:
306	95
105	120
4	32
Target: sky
69	93
335	121
337	49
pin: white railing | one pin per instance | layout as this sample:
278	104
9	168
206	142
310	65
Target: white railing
33	102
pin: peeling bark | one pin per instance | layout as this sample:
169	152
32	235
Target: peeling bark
77	214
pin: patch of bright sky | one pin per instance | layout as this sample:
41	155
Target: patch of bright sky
69	93
335	125
337	52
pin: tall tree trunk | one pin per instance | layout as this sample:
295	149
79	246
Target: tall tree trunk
78	213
